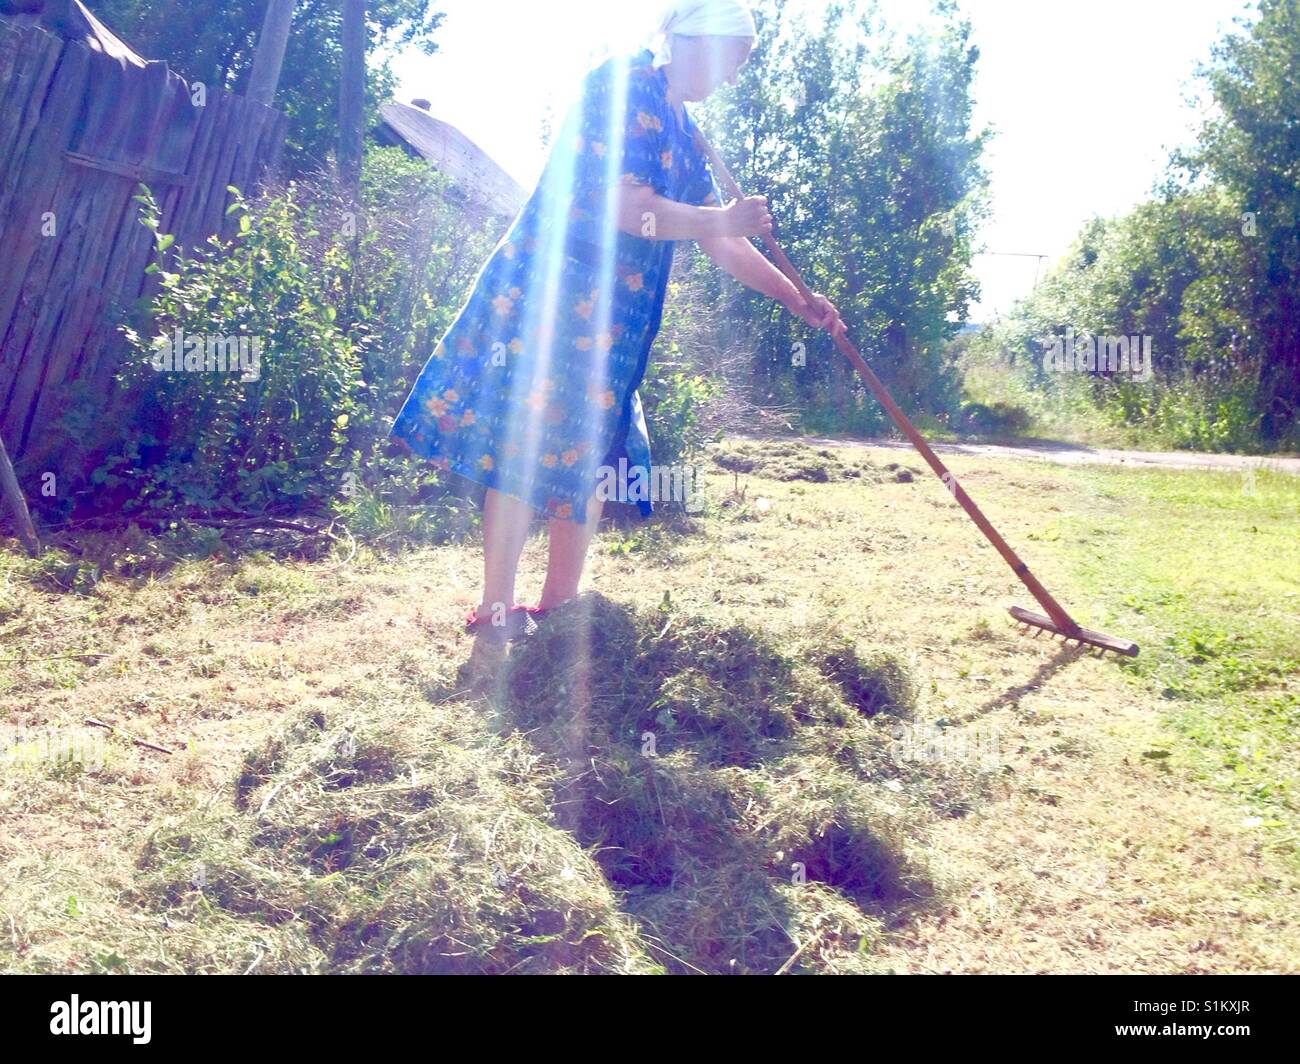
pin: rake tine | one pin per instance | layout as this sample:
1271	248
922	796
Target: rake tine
1072	635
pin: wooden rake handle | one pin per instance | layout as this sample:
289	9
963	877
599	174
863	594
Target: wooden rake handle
878	389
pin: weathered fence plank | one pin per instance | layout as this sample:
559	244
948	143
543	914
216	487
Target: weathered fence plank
80	130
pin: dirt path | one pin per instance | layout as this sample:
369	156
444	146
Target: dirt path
1069	454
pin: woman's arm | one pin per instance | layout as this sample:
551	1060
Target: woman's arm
643	212
750	267
722	233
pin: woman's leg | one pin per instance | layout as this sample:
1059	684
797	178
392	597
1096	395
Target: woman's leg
568	555
505	529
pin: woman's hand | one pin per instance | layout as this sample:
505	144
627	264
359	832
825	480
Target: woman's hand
750	216
820	313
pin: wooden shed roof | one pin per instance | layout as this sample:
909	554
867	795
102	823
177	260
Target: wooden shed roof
71	20
474	173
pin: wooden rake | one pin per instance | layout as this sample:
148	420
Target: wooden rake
1057	621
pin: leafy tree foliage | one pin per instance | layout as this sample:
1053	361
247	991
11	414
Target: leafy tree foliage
215	44
1209	268
1251	150
865	146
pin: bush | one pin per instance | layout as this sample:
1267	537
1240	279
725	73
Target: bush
346	307
272	434
998	419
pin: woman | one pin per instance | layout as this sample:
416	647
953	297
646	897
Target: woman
533	391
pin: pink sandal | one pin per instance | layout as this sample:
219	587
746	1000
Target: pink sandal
516	622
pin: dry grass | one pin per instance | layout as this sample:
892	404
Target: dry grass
351	792
786	461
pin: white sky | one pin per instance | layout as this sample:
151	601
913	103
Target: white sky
1086	97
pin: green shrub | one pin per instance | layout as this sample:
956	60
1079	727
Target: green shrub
253	440
346	306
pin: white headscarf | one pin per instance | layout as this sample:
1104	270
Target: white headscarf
702	18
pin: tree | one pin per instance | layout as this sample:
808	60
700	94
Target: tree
868	154
269	58
352	97
1209	268
1252	150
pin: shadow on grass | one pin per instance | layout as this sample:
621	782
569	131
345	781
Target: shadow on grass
137	550
1063	657
76	559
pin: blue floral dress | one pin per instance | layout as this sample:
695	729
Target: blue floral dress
534	388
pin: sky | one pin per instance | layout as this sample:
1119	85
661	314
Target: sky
1086	99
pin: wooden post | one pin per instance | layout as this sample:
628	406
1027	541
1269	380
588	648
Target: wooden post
13	494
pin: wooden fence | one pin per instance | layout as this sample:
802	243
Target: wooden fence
79	130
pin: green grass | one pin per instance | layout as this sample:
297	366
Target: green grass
1211	563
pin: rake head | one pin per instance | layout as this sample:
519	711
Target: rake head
1081	636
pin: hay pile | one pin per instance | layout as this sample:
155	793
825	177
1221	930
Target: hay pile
767	769
628	792
777	460
391	840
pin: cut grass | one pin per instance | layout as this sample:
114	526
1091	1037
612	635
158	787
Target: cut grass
392	837
351	792
644	766
784	461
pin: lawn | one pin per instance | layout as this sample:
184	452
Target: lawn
796	732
